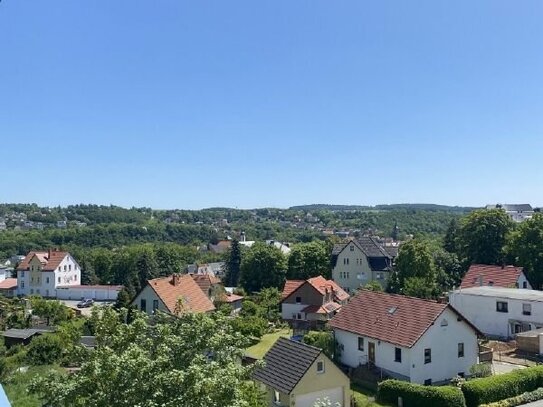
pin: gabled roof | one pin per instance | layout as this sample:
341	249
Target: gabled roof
496	276
181	287
8	284
393	318
286	363
205	281
290	287
21	333
367	244
50	260
319	283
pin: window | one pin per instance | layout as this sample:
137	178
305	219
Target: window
501	306
347	261
59	268
299	316
32	280
31	291
428	382
360	343
398	355
70	267
75	277
461	349
352	247
65	267
526	309
46	280
298	300
444	322
37	290
524	284
276	397
58	280
22	274
320	366
155	305
427	356
348	274
143	305
22	284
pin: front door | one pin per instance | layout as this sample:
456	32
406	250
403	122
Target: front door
371	353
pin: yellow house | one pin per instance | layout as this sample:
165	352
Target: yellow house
297	375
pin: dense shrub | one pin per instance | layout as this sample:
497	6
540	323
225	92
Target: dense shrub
250	326
501	387
415	395
481	370
45	350
527	397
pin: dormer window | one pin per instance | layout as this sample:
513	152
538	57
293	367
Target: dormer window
351	247
320	366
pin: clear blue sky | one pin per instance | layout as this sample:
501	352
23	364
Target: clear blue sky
192	104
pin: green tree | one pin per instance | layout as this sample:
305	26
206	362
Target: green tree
451	236
190	361
52	310
449	269
146	266
45	350
233	264
308	260
373	286
415	264
123	299
483	235
262	266
526	249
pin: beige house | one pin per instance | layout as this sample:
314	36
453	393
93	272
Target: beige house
297	375
356	263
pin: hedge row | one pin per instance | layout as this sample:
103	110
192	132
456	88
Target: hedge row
501	387
416	395
518	400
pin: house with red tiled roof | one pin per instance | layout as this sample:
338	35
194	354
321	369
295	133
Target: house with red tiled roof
56	274
407	338
210	285
314	300
175	295
480	275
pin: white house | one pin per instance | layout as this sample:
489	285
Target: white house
55	274
360	261
408	338
517	212
495	276
500	312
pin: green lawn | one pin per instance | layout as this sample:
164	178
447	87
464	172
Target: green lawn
364	397
258	350
17	383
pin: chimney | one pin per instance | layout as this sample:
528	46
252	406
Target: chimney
242	238
176	279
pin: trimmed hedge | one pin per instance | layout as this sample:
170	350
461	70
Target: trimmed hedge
415	395
518	400
495	388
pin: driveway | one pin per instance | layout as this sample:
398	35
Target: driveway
86	312
504	367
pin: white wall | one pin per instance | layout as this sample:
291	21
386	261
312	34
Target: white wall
358	267
521	280
443	340
149	295
288	309
481	311
78	293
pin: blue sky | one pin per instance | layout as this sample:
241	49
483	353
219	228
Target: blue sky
178	104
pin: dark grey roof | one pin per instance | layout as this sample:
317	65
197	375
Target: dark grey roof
21	333
88	341
392	251
285	364
338	248
371	247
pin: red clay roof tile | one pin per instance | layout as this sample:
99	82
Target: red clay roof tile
173	288
496	276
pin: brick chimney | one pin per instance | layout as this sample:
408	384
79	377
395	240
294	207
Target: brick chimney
176	279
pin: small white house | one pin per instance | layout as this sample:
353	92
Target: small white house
500	312
408	338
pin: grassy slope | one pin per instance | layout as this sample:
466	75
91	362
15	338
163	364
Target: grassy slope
16	386
258	350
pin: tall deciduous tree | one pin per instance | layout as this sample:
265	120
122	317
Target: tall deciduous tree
450	240
308	260
526	249
415	273
191	361
263	266
483	235
233	264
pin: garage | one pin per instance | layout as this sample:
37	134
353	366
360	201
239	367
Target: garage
335	395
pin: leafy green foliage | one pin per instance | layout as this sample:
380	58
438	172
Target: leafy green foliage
482	236
188	361
324	340
481	370
419	396
233	264
373	286
52	310
308	260
524	398
526	249
263	266
45	350
500	387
